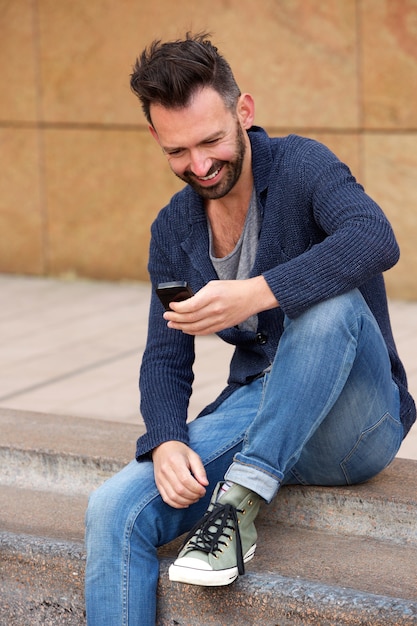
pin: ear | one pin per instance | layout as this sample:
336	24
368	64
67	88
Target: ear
246	110
154	133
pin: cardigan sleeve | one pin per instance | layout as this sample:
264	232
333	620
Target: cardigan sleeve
166	373
356	242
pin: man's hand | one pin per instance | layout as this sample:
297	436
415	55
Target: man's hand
221	304
179	474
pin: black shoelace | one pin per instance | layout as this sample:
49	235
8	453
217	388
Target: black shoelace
212	528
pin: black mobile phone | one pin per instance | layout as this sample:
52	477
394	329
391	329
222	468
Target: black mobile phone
173	292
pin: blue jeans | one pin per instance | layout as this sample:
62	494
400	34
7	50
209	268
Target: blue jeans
327	413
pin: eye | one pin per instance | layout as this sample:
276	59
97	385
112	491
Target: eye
174	153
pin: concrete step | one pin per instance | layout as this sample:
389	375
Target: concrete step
48	466
41	581
324	556
52	451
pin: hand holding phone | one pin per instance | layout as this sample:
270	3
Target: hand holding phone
173	292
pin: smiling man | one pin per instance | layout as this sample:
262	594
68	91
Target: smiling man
211	164
284	252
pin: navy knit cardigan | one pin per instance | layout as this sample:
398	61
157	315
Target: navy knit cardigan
321	236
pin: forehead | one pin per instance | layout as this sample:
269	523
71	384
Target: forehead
204	116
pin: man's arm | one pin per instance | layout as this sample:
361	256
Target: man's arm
351	240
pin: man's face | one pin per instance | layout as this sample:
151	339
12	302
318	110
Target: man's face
204	143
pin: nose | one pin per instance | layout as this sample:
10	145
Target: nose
200	163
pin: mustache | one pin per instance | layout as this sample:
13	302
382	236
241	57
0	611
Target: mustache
213	168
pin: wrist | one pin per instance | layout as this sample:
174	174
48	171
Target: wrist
262	294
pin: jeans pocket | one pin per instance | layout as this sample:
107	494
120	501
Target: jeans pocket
374	450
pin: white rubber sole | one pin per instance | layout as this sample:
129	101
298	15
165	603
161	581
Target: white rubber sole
205	577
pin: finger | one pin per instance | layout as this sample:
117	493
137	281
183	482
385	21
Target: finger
180	488
192	329
185	317
177	498
198	470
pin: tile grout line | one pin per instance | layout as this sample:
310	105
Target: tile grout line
71	374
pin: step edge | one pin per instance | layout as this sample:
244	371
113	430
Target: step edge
304	596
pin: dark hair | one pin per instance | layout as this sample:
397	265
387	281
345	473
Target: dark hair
170	73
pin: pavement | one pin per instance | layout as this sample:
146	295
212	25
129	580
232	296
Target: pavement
73	347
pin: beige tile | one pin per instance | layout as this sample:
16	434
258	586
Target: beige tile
108	392
296	56
85	60
21	219
88	50
18	61
389	42
390	174
104	188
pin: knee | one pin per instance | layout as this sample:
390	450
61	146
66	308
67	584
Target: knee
102	511
119	506
336	314
95	505
109	508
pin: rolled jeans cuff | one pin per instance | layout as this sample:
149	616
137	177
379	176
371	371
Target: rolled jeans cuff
261	482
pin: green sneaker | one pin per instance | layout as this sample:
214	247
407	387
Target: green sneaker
216	549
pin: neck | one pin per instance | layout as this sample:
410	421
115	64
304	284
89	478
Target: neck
227	221
232	205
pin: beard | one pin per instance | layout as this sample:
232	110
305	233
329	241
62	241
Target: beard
231	174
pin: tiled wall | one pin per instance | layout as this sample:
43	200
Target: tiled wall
81	178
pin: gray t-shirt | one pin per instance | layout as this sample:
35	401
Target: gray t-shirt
238	264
